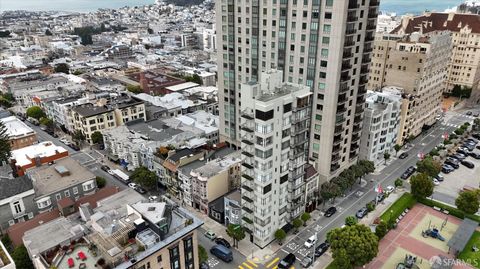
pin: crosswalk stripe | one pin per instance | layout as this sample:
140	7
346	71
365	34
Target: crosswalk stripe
275	267
273	262
246	265
240	267
252	263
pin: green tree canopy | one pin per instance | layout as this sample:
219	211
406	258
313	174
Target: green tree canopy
5	148
381	229
35	112
101	182
386	156
97	137
305	217
78	136
429	166
236	232
62	68
357	244
280	235
398	183
21	258
467	201
351	220
297	223
202	254
136	89
144	177
329	190
397	148
46	121
369	166
421	185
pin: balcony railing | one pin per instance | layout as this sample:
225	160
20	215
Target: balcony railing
349	43
374	3
352	18
353	5
372	15
347	54
346	66
334	167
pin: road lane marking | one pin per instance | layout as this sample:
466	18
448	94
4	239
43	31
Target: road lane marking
240	267
246	265
275	267
252	263
273	262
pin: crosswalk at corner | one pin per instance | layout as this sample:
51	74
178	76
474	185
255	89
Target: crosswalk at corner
248	264
273	264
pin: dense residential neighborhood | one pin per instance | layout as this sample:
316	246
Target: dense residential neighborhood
240	135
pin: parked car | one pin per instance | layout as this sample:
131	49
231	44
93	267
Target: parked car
455	163
380	197
222	242
152	198
105	168
410	170
447	169
468	164
110	172
469	113
74	147
287	262
439	177
306	262
132	185
478	147
475	155
476	114
476	135
389	189
362	212
332	210
403	155
140	190
210	235
222	253
472	140
204	265
435	182
310	241
463	150
322	248
459	156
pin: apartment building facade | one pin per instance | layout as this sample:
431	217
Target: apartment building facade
418	64
275	122
380	125
464	64
325	45
19	134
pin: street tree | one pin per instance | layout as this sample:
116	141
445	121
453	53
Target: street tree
46	122
35	112
236	232
397	148
78	136
349	176
21	258
341	182
329	191
467	201
101	182
280	235
97	138
62	68
297	223
429	166
369	166
398	183
357	244
305	217
381	229
386	156
421	185
144	177
5	147
202	254
342	260
351	220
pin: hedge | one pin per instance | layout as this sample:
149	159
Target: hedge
451	210
405	201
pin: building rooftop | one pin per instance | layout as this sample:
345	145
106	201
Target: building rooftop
182	86
169	101
430	22
26	155
234	195
13	186
89	110
216	166
153	212
64	173
16	128
202	120
58	231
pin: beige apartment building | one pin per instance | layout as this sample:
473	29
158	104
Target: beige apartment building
418	64
463	66
89	118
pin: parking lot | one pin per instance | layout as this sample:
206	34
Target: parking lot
455	181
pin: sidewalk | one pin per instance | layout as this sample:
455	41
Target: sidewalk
382	207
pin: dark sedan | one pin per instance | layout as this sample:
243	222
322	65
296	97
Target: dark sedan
332	210
140	190
403	155
322	248
447	169
222	242
468	164
362	212
459	156
410	170
105	168
475	155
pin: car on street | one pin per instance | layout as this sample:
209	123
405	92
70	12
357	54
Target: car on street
476	114
447	169
222	253
475	155
410	170
310	241
469	113
322	248
468	164
132	185
306	262
472	140
362	212
439	177
403	155
210	235
152	198
110	172
389	189
476	135
467	147
380	197
478	147
435	182
287	262
140	190
105	168
222	241
330	211
74	147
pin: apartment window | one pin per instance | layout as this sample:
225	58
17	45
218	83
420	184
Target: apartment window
159	258
67	193
327	28
188	250
17	207
264	116
174	258
326	40
58	196
324	52
75	190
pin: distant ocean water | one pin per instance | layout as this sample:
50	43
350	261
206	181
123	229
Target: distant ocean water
398	6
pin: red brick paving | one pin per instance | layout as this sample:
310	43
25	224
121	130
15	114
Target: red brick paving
400	237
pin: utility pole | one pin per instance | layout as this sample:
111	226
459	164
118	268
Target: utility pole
314	248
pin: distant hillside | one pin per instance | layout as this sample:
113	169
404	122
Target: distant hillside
184	2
